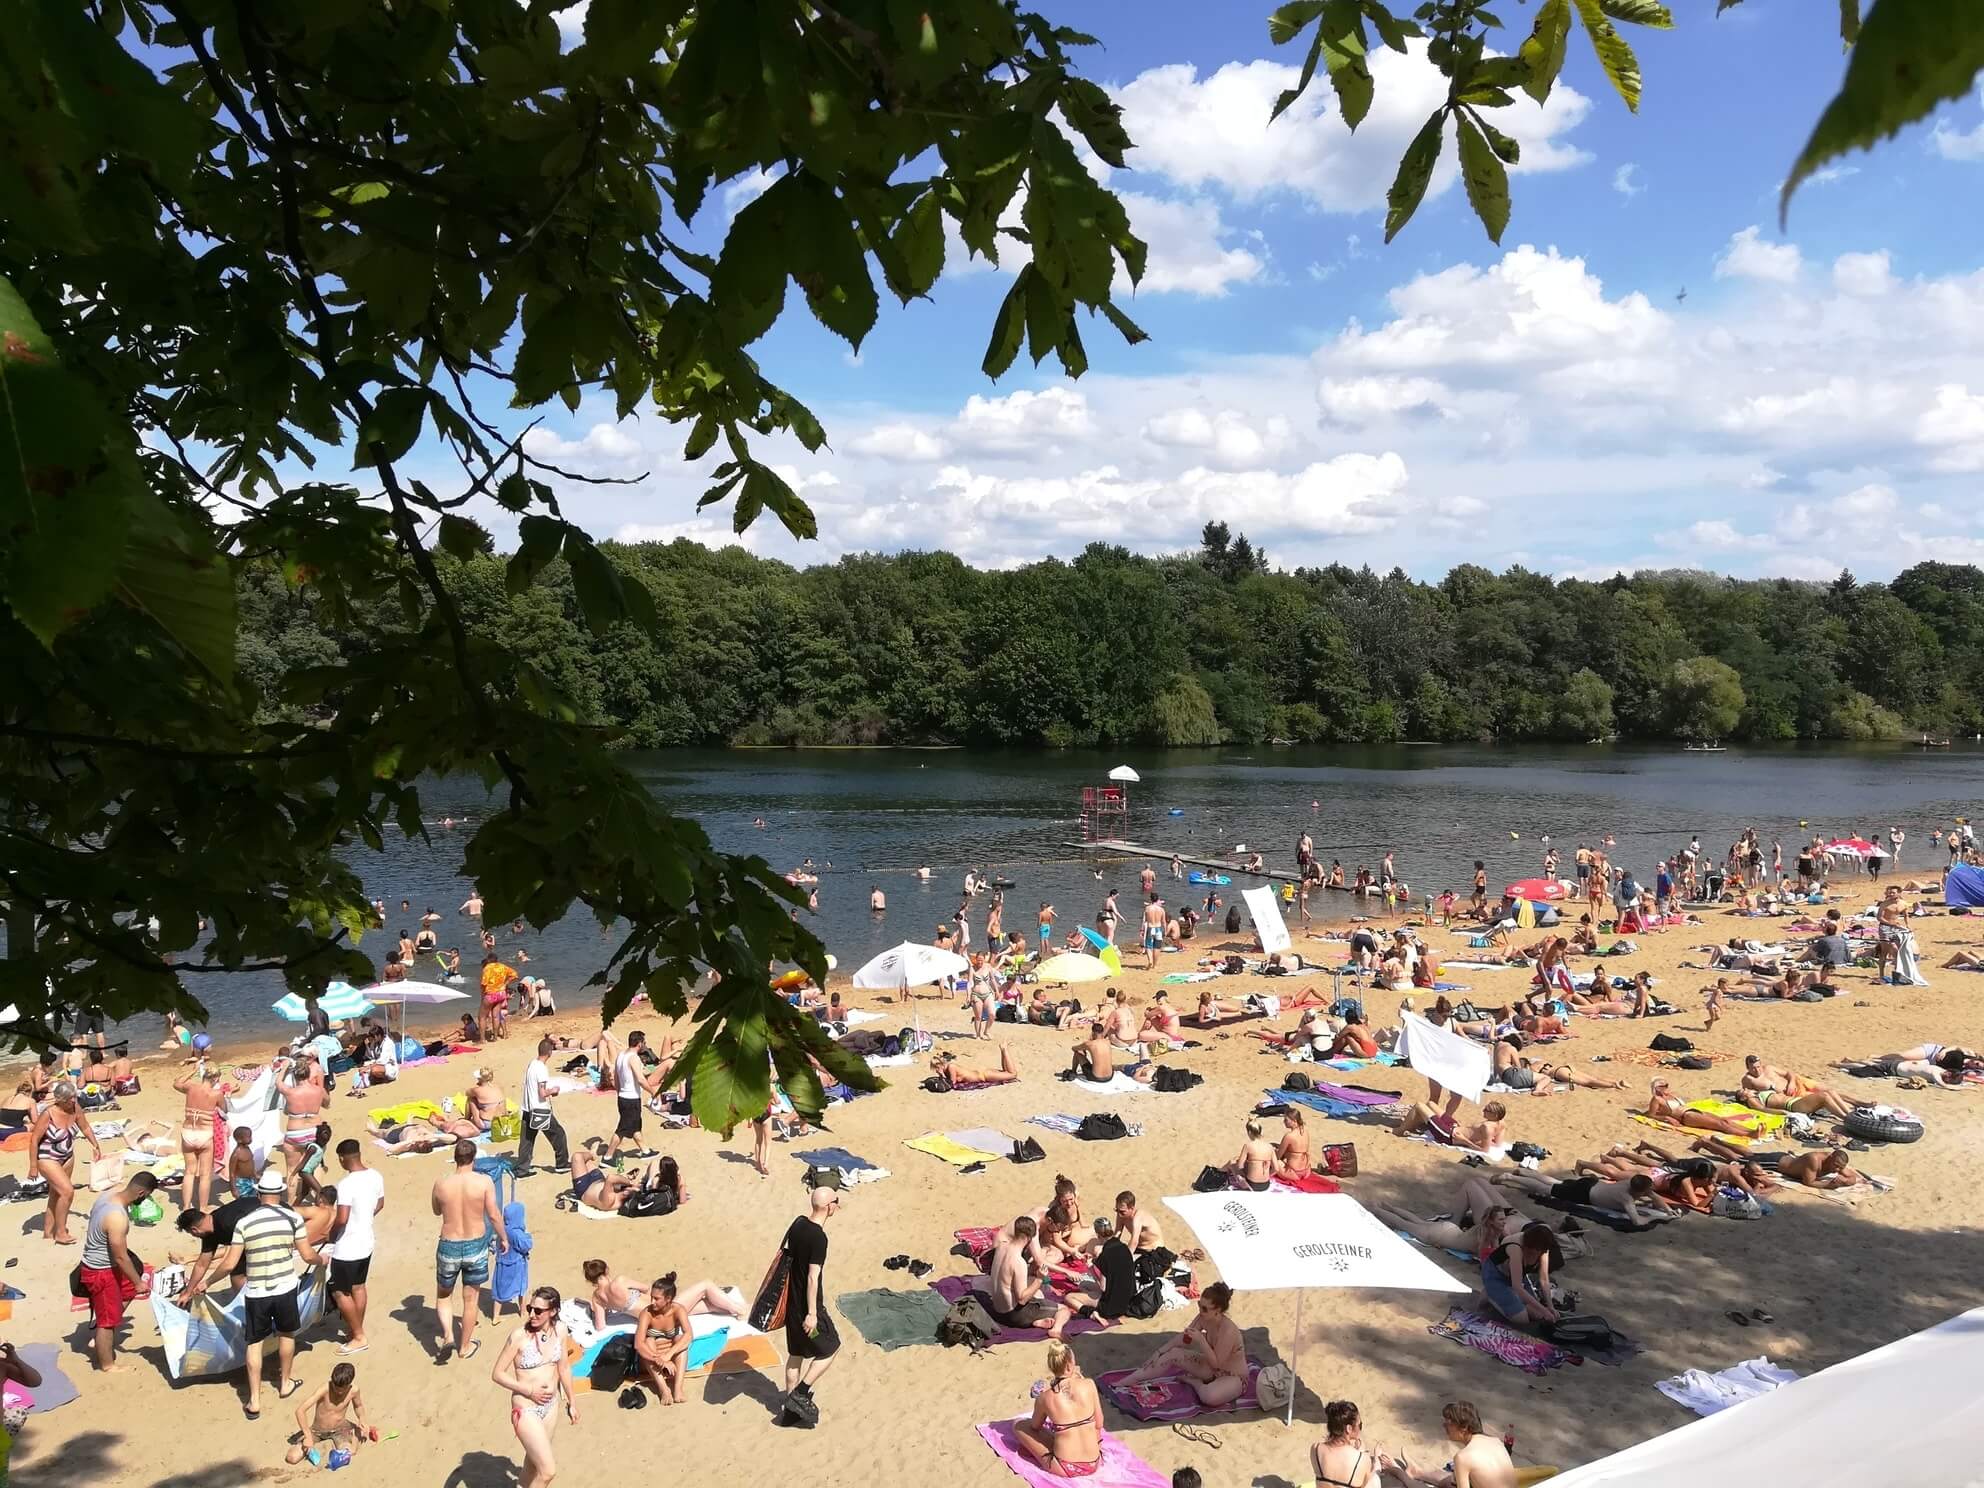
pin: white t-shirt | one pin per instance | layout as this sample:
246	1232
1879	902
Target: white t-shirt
361	1193
389	1054
627	1068
537	1074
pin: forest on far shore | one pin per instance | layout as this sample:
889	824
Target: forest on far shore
1200	648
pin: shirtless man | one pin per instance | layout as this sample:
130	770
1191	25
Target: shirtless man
1820	1170
1478	1136
1255	1164
1891	930
465	1200
1019	1296
1771	1089
1094	1059
1153	926
196	1134
1519	1074
303	1107
472	906
1481	1462
1137	1230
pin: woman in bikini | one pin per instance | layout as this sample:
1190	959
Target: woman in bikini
1063	1437
196	1134
52	1155
946	1067
1494	1221
1291	1153
483	1102
1664	1105
17	1110
1255	1164
1340	1460
1354	1040
533	1368
303	1105
1209	1355
661	1340
612	1293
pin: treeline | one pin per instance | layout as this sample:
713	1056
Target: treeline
1207	648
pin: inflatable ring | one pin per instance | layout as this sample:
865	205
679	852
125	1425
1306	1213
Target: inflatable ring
1863	1123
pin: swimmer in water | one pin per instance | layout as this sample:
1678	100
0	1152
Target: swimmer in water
759	824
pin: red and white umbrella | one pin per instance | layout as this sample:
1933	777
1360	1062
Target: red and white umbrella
1542	890
1851	847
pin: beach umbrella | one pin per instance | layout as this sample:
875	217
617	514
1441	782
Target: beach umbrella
339	1001
1072	966
421	993
1095	938
1545	890
1850	847
1266	1242
910	965
1125	773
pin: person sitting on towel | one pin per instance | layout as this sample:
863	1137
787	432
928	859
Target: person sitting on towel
1478	1136
1291	1153
1019	1296
1255	1164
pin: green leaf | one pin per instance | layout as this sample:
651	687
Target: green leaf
538	540
1849	21
463	537
1350	75
1389	27
1639	13
1544	50
1508	150
1911	56
1132	332
1486	177
829	264
1615	57
919	241
1415	170
1291	20
390	430
765	487
1008	328
748	287
1097	118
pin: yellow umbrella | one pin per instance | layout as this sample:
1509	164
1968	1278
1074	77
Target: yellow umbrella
1072	966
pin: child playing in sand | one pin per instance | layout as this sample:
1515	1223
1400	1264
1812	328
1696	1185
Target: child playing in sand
330	1422
241	1169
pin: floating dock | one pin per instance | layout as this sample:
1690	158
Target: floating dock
1116	847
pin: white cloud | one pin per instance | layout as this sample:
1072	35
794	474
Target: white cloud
1958	144
1829	175
1866	275
1214	131
739	193
603	445
901	442
1953	426
1232	440
1749	257
1627	180
1718	536
572	21
1356	401
1189	248
1021	422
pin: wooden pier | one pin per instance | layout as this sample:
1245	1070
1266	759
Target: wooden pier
1116	847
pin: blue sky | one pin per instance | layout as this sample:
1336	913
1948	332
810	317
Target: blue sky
1816	400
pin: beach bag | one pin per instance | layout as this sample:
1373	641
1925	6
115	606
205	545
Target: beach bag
1349	1009
1026	1150
1296	1080
1580	1330
768	1306
1167	1078
616	1363
1339	1159
966	1322
1006	1013
1694	1062
1149	1302
1102	1126
1212	1180
146	1211
507	1127
1235	965
1732	1203
1274	1387
937	1084
824	1178
650	1203
1671	1043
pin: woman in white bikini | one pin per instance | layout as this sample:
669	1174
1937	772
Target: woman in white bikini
533	1369
196	1134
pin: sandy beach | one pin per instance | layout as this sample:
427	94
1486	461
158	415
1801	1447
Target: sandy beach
1839	1276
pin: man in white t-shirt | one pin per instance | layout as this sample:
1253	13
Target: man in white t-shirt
361	1195
633	1085
539	1117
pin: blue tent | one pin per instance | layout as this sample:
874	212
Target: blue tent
1963	887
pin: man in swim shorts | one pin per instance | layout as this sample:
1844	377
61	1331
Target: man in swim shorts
466	1202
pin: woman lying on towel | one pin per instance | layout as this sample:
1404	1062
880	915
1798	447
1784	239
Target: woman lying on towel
612	1293
594	1186
1664	1105
1671	1173
1512	1070
948	1074
1632	1196
1942	1064
1482	1223
1212	1012
1478	1136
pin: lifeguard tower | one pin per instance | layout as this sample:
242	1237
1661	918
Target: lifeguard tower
1106	808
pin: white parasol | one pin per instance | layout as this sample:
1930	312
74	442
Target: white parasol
1125	773
910	965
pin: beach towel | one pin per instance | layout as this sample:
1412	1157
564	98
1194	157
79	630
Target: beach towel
1117	1084
1329	1105
1590	1214
742	1351
1459	1255
952	1288
985	1139
1705	1393
1482	965
944	1149
1176	977
1170	1399
1120	1467
1313	1183
211	1337
56	1388
1767	1122
893	1320
405	1111
1496	1339
1346	1062
853	1170
1459	1064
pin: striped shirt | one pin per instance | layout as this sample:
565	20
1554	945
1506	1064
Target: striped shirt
268	1239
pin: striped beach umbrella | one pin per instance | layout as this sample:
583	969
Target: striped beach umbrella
339	1001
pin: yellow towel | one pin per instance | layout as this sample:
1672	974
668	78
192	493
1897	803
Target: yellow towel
1766	1122
939	1145
413	1110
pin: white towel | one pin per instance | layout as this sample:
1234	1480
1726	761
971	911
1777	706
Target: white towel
1459	1064
1117	1084
1705	1393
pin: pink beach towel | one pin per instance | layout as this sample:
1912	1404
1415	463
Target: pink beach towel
1121	1468
1170	1399
1495	1338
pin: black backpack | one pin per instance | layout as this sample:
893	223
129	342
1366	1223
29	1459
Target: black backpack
1102	1126
1671	1043
1026	1150
1167	1078
1212	1180
616	1363
1296	1080
650	1202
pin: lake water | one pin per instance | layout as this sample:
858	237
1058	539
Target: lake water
877	815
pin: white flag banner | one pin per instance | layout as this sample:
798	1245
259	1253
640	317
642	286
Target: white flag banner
1267	919
1460	1064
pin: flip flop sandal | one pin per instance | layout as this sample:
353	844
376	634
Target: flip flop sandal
920	1269
895	1263
1197	1434
294	1386
1740	1319
472	1350
1761	1316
